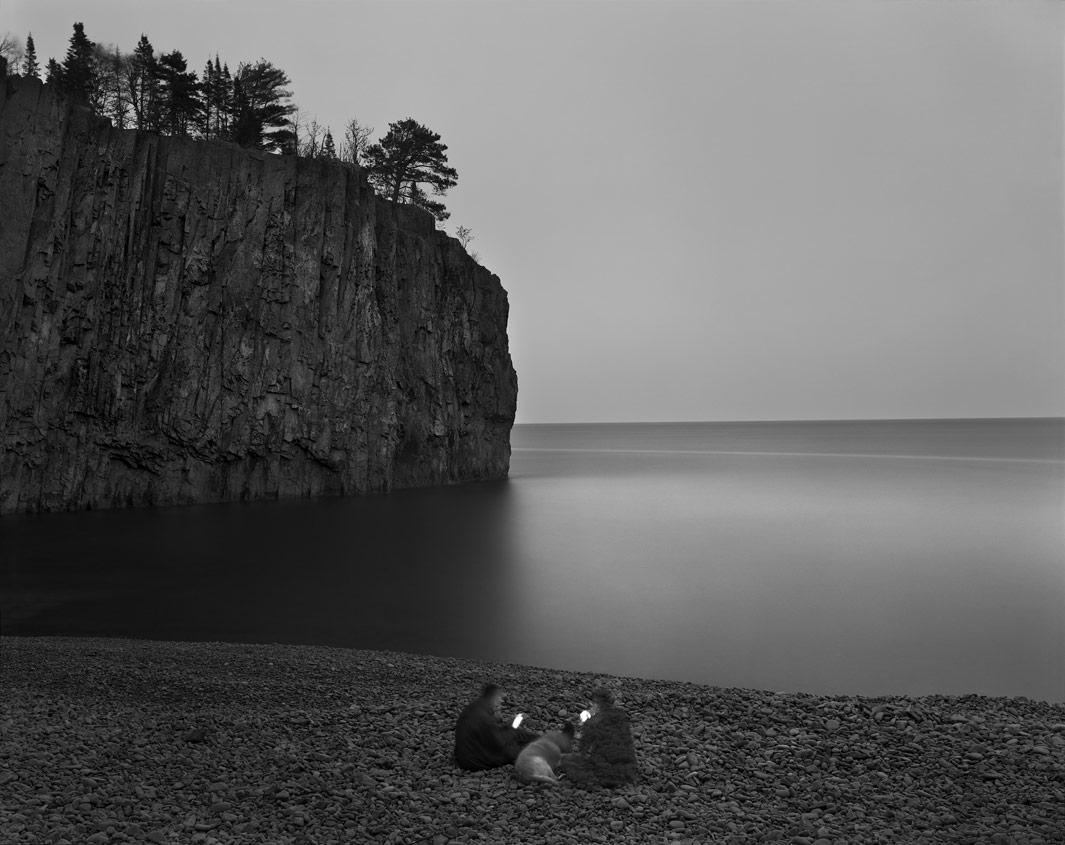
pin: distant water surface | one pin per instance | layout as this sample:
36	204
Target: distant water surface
830	557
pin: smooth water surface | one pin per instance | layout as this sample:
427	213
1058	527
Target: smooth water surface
833	557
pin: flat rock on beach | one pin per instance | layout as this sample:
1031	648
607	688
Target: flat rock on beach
140	741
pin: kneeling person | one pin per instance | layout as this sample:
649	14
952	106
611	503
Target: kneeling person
605	753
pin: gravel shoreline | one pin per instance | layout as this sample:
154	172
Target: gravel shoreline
143	741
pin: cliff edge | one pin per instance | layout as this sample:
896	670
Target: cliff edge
185	321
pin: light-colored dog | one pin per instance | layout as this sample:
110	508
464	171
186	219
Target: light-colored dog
537	761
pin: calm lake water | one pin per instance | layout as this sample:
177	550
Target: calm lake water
831	557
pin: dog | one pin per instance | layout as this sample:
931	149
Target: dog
537	761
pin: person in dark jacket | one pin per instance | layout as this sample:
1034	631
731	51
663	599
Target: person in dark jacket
482	740
605	752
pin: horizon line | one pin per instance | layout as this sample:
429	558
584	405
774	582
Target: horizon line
794	419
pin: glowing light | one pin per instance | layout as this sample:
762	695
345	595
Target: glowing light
517	720
586	715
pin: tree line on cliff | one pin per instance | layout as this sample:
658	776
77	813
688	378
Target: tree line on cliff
251	106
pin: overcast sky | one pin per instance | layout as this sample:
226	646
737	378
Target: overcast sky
709	210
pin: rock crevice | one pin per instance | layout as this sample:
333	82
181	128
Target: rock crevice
185	321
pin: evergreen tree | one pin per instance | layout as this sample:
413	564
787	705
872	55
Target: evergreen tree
261	113
246	127
54	73
79	79
329	149
207	100
179	94
30	65
410	156
223	100
216	99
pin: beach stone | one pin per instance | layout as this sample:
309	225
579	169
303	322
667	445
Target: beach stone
906	773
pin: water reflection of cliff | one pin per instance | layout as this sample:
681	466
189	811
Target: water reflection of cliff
418	570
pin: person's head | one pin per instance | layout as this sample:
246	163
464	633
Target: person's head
602	699
494	695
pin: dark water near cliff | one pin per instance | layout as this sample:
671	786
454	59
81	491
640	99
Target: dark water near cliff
869	557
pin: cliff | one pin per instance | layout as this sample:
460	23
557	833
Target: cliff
186	321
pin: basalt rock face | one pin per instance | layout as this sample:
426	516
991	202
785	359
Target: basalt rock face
185	321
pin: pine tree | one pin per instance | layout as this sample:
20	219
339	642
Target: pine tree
79	79
223	100
329	149
216	98
179	94
207	99
54	73
261	113
410	156
30	65
246	127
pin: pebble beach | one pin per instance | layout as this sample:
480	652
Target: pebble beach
109	741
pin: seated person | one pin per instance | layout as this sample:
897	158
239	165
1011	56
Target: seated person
605	753
482	741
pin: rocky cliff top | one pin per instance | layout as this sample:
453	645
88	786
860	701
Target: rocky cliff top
187	321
